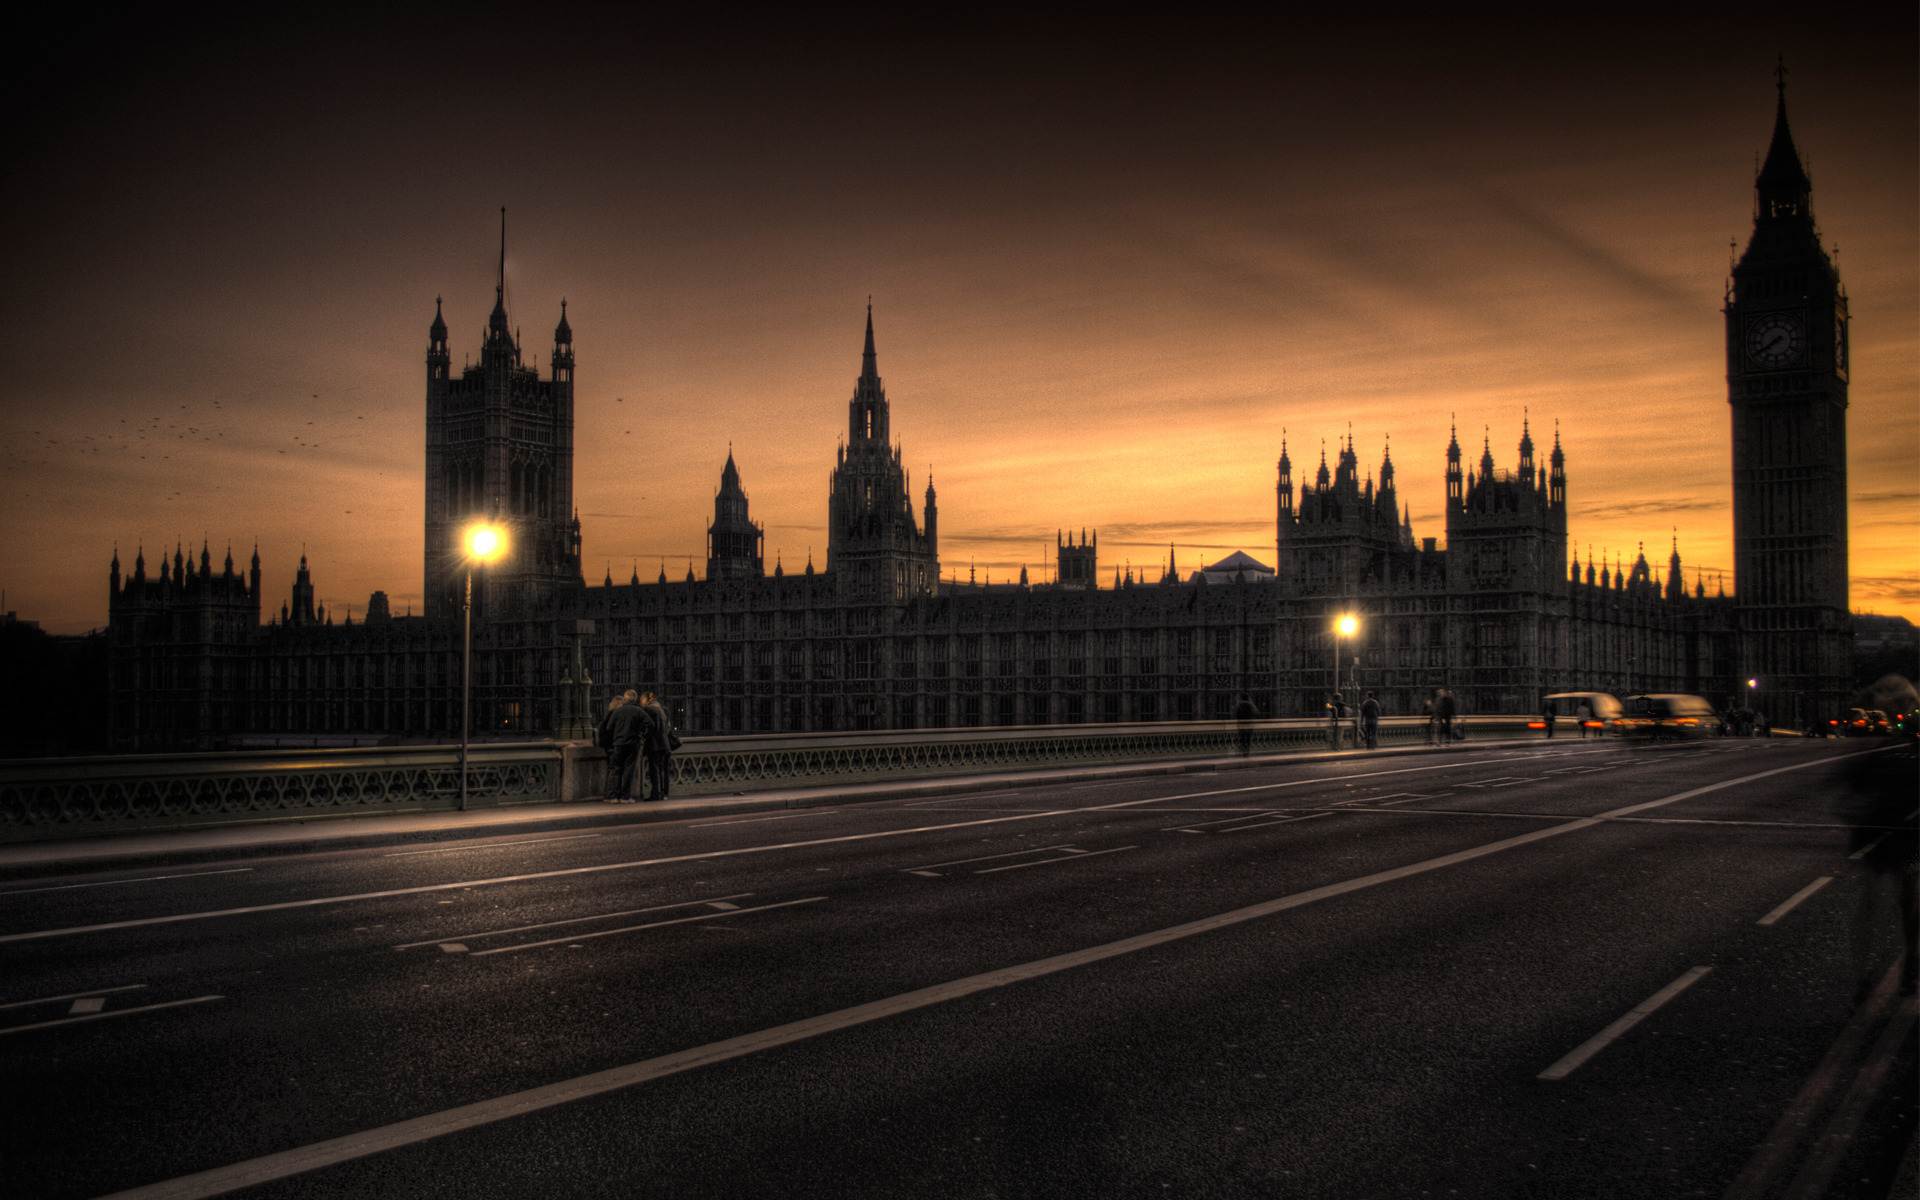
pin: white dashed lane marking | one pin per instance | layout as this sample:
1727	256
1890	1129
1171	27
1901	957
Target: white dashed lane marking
129	987
1606	1037
1792	902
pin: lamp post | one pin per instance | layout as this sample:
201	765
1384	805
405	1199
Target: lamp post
484	543
1343	626
1746	714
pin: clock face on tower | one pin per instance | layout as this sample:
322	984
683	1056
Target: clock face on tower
1776	339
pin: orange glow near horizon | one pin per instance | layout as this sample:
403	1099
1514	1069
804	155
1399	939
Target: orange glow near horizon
1104	291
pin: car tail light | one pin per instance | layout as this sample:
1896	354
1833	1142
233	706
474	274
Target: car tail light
1536	724
1594	724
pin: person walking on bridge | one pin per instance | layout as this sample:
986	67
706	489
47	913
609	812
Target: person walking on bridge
1370	721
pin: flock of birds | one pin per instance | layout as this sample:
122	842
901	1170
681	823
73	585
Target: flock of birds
154	438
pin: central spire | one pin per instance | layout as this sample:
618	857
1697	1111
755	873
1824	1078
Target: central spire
869	363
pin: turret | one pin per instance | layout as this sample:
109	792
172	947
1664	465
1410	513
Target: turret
1557	473
439	361
563	347
1455	493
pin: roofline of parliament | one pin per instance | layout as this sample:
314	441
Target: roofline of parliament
1503	613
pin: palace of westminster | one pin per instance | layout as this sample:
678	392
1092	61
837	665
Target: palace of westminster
878	640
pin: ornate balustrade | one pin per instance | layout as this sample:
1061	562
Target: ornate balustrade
78	797
709	765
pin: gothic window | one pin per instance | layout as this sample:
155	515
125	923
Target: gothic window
1110	654
937	664
970	655
903	660
1262	650
825	661
1223	650
796	662
1076	654
706	626
862	665
703	664
763	665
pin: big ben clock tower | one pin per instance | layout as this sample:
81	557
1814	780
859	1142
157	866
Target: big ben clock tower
1787	383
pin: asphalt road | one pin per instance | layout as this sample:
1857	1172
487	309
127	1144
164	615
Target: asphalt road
1332	979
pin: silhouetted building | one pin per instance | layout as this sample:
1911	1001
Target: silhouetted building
1787	383
1502	614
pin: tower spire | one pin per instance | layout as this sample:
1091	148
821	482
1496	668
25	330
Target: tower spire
869	362
1783	186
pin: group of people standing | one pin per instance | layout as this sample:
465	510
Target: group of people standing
636	725
1366	730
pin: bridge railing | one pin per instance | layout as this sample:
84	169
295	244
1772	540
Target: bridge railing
78	797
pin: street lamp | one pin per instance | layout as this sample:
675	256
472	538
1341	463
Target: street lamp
484	543
1346	625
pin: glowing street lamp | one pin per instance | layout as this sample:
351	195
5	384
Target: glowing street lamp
484	543
1345	626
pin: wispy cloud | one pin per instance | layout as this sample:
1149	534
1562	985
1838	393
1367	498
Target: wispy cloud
1641	508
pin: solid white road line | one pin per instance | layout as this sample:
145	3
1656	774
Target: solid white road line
631	912
67	887
118	1012
1792	902
1197	826
812	812
599	933
960	862
485	1112
1600	1041
1756	1179
127	987
92	1004
1815	1178
1281	821
488	845
283	905
1076	856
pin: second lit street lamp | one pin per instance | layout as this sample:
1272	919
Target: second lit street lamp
1345	626
484	544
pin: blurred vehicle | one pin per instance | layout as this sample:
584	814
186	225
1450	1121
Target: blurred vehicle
1670	715
1603	711
1855	723
1877	723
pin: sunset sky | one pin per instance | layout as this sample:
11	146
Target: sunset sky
1107	271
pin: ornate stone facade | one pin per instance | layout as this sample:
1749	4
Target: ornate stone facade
1501	615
